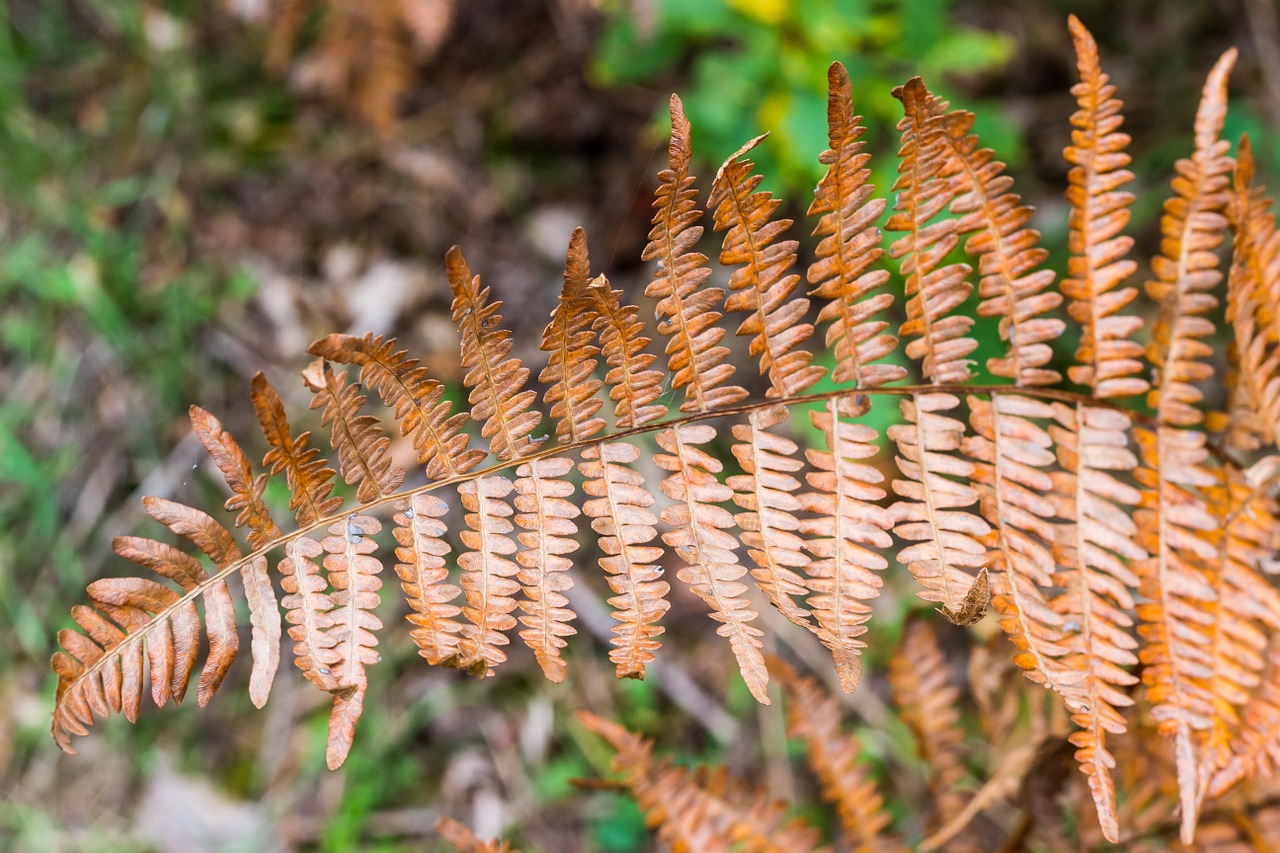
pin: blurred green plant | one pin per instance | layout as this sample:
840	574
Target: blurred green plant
762	64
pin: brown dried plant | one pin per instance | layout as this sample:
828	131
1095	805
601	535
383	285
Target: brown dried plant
1120	547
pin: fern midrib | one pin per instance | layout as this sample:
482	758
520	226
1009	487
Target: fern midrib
1089	183
293	466
635	634
615	316
349	436
544	614
713	584
757	284
482	345
853	146
925	478
501	466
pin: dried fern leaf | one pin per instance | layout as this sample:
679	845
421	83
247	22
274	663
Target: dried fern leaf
308	475
353	575
813	717
766	492
363	449
928	703
570	371
687	311
842	273
424	576
633	386
1108	360
699	812
763	286
264	613
1096	540
308	609
619	509
699	535
1252	291
417	400
465	841
934	491
1011	285
497	402
934	290
488	577
1012	452
845	526
545	514
246	490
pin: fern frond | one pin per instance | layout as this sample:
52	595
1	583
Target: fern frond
569	374
928	703
845	527
766	492
1096	538
935	489
699	535
842	273
353	575
620	514
488	577
1011	285
545	515
363	449
308	475
246	490
924	192
1108	359
495	380
687	311
763	286
633	386
424	575
813	717
1012	451
416	399
700	812
1180	580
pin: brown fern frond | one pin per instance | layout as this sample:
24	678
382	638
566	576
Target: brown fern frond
1193	226
569	374
353	574
363	449
766	492
416	399
545	515
842	271
1012	451
702	812
928	702
687	312
935	489
813	717
246	490
633	386
699	535
1108	360
424	575
217	542
620	514
763	286
1011	286
488	577
1095	540
308	475
845	527
497	402
307	607
465	841
933	289
1253	290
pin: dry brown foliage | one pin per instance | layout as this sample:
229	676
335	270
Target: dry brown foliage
1121	549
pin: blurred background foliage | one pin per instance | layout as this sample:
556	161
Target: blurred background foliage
192	190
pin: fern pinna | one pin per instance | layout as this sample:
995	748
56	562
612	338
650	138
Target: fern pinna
1120	548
